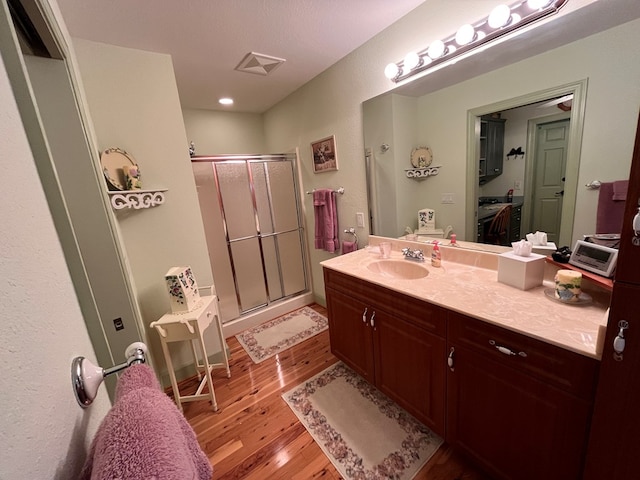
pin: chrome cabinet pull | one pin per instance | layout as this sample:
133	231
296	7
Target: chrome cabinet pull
505	350
450	359
373	316
619	342
364	315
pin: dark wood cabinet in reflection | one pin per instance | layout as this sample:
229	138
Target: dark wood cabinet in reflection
491	157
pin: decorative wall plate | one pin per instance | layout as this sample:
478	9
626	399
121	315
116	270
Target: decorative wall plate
421	157
112	161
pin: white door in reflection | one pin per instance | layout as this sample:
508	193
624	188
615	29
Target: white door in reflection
549	175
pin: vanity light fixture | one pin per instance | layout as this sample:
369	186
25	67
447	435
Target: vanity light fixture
502	20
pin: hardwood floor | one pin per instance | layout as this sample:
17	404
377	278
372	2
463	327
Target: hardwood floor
255	435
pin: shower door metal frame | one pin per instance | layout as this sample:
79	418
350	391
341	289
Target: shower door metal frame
249	160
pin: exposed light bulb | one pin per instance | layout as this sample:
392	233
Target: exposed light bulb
411	60
465	34
391	71
436	49
225	101
537	4
499	16
471	39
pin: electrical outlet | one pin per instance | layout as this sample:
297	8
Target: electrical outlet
447	198
360	219
517	185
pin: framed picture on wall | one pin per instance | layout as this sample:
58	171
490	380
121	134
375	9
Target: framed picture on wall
325	158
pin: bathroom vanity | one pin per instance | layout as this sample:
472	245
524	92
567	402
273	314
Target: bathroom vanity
505	375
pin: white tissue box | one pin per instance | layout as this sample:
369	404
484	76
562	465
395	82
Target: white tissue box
521	272
546	250
183	289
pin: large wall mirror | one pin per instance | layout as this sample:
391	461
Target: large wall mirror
566	92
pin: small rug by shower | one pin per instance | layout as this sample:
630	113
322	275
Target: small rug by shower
364	434
272	337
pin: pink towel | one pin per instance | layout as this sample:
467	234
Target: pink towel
326	220
620	190
348	247
144	436
610	211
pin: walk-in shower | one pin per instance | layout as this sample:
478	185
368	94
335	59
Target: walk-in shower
253	223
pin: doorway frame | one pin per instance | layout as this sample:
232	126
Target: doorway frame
48	23
579	91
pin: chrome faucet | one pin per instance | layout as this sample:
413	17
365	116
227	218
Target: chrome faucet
416	254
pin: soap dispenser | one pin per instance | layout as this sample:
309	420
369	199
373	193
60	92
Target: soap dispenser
436	259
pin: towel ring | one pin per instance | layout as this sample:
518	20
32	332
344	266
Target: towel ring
352	231
87	377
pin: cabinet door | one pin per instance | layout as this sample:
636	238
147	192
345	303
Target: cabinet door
410	368
514	224
495	147
350	333
516	426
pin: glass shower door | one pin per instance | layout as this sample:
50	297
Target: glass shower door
260	219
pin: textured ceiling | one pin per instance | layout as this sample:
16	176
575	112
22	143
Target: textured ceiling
208	39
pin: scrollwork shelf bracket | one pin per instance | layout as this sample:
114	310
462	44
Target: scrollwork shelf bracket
136	199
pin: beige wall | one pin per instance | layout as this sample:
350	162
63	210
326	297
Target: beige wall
43	432
133	101
222	133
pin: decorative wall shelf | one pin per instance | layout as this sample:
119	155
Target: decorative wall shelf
422	172
137	199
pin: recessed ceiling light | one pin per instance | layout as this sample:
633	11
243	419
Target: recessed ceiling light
226	101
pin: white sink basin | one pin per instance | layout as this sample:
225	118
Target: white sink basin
402	269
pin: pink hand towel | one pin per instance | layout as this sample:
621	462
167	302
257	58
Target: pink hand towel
610	212
144	436
326	220
348	247
620	190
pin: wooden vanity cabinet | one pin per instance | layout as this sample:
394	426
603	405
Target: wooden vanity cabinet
523	415
394	341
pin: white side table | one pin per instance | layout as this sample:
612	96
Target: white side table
177	327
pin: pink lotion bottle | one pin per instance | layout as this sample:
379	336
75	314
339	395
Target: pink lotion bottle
436	259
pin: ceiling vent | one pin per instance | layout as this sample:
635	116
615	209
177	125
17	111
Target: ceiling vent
259	64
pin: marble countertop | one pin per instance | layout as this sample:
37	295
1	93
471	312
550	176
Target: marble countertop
468	283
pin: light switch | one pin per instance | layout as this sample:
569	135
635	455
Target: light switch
447	198
517	185
360	219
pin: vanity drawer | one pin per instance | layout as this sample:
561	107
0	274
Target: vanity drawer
568	371
422	314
